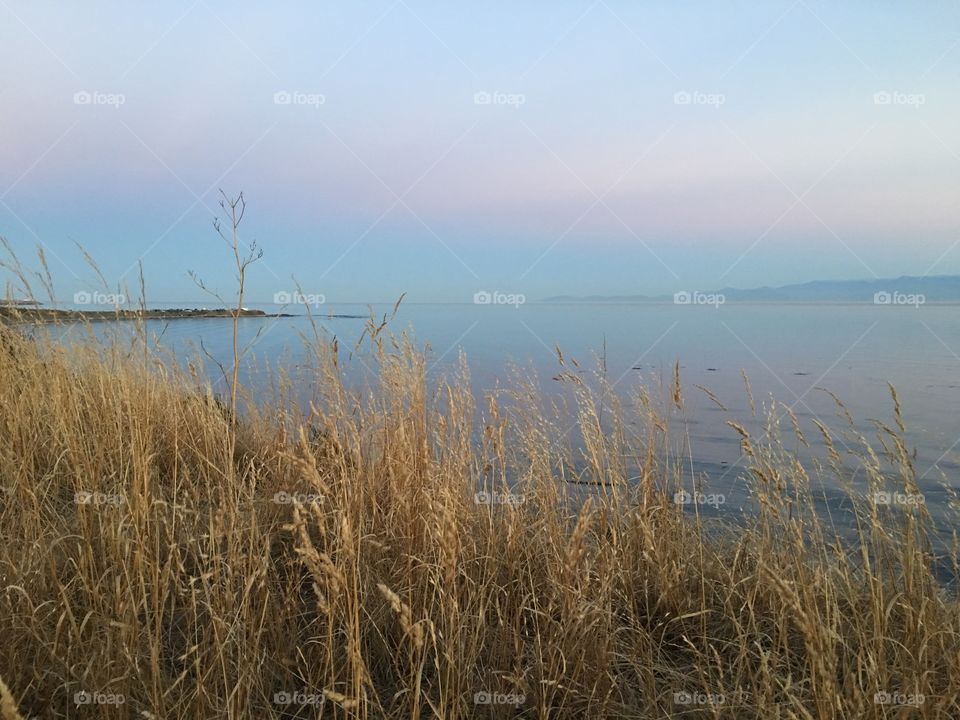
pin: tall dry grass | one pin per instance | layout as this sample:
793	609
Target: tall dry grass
147	557
400	552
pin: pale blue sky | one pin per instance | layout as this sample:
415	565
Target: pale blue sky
586	174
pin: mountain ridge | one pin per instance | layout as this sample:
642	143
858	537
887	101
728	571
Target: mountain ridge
933	288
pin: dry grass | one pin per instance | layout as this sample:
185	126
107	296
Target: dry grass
188	592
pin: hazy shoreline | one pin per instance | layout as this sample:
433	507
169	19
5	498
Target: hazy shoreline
34	314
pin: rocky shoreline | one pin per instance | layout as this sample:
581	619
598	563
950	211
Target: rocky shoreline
35	314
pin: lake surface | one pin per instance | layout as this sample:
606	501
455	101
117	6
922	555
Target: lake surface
788	352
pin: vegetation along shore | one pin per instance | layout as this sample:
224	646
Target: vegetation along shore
386	554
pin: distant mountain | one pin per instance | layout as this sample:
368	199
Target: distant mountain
934	288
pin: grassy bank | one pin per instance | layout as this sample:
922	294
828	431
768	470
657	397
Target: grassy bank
35	314
163	557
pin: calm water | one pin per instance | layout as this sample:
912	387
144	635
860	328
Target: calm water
787	351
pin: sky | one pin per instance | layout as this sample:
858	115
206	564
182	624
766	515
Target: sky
438	149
